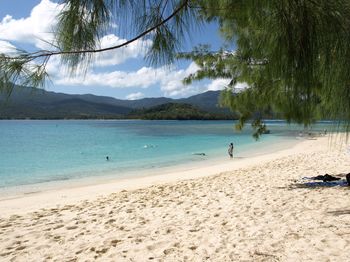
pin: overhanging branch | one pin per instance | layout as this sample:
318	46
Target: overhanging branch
48	54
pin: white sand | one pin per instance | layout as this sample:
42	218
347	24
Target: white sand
256	209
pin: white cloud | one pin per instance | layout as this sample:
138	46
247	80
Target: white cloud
241	86
171	83
135	49
143	78
40	25
7	48
33	28
134	96
222	83
218	84
169	79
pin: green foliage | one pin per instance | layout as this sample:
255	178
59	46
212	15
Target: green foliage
81	25
175	111
20	70
294	55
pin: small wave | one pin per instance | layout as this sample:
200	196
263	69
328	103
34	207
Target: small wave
149	146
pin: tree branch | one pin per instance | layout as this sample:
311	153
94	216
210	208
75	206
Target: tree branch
51	53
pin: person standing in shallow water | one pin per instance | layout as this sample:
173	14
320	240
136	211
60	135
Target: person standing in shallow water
230	150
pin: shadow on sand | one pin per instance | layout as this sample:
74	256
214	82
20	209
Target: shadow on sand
309	183
316	185
340	212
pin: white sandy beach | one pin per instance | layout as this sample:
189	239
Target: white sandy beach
253	209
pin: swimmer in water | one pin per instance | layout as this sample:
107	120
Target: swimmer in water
199	154
107	158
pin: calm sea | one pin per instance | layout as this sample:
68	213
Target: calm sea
33	152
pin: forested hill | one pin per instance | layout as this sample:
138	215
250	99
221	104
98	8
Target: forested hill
32	103
176	111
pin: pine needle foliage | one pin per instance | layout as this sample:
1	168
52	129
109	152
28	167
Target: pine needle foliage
293	54
82	24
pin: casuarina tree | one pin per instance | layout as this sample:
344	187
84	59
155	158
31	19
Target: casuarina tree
293	55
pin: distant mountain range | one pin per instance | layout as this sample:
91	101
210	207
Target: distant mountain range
25	102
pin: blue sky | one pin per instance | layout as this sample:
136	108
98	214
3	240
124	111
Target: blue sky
122	74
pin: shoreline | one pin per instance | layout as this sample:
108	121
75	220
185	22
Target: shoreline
71	191
199	161
115	175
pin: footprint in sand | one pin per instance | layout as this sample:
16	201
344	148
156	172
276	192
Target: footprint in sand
110	221
20	248
79	251
102	251
72	227
5	254
58	226
6	225
115	242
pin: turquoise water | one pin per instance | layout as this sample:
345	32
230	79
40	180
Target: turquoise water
43	151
